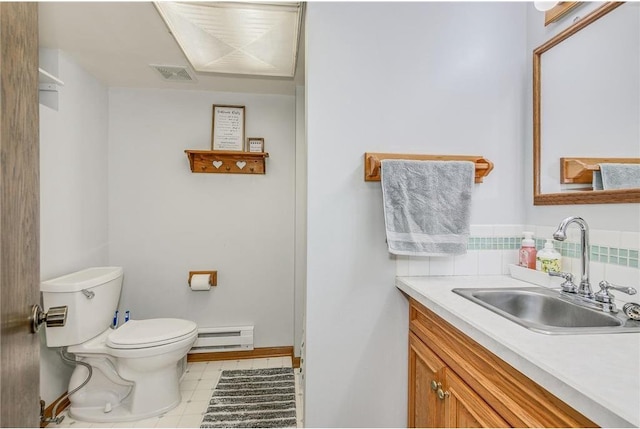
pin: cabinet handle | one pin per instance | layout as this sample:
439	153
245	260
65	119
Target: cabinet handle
435	385
442	394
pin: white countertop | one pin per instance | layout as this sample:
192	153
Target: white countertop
598	375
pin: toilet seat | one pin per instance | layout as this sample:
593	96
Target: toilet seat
137	334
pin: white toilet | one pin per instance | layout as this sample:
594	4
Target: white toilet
135	368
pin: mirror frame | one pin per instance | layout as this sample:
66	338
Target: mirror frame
616	196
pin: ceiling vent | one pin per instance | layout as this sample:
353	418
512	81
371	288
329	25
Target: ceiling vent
173	73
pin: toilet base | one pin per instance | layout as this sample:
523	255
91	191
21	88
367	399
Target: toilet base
103	400
154	390
124	389
120	413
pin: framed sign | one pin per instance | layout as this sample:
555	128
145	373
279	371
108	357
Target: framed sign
227	128
255	144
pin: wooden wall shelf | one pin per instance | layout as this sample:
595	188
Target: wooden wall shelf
227	162
372	163
580	170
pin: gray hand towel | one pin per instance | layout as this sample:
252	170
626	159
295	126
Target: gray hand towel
427	206
620	176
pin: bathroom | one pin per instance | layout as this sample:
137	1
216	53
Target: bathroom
307	239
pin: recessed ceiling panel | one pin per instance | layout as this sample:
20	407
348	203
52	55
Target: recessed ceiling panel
237	38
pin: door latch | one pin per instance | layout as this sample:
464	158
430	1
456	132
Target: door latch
54	318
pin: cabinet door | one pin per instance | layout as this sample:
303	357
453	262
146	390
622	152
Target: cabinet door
425	409
464	408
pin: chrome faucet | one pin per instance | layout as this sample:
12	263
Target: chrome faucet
584	290
583	294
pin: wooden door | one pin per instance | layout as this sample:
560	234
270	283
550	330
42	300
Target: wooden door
19	214
425	409
464	408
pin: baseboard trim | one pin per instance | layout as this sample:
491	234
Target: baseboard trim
257	353
48	412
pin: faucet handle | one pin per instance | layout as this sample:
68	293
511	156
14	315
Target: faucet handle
603	295
568	285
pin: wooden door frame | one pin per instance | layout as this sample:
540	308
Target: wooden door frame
19	214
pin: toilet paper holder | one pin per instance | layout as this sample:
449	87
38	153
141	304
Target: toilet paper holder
213	276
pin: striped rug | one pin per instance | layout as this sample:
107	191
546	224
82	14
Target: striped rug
253	398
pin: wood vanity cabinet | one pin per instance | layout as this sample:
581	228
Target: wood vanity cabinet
440	398
455	382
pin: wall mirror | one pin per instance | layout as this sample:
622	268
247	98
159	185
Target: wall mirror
586	97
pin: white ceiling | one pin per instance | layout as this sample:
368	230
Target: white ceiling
116	42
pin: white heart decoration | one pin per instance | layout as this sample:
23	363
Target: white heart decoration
241	164
217	164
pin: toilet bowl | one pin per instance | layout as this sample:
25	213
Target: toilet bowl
135	369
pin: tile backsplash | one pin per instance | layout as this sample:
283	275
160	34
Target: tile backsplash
491	248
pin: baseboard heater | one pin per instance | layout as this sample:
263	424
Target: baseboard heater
226	339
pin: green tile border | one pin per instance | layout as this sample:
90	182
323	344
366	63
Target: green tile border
607	255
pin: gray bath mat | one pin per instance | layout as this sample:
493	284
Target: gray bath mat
253	398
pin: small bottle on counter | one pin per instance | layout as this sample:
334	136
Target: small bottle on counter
549	259
527	253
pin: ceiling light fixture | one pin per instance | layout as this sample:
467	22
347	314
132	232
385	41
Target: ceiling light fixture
237	38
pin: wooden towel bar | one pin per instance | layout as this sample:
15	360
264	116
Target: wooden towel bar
580	170
372	163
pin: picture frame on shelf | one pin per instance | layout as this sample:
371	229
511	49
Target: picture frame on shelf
227	128
255	144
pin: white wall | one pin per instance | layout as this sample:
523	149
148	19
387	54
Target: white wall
616	217
300	221
442	78
73	189
165	221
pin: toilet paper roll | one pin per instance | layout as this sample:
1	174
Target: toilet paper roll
200	282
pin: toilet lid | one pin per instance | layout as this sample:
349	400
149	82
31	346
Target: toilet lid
136	334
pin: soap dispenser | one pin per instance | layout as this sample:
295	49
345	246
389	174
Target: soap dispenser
527	253
549	259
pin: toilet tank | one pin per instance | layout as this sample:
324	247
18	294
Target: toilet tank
91	296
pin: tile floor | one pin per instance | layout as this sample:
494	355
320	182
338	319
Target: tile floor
196	388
